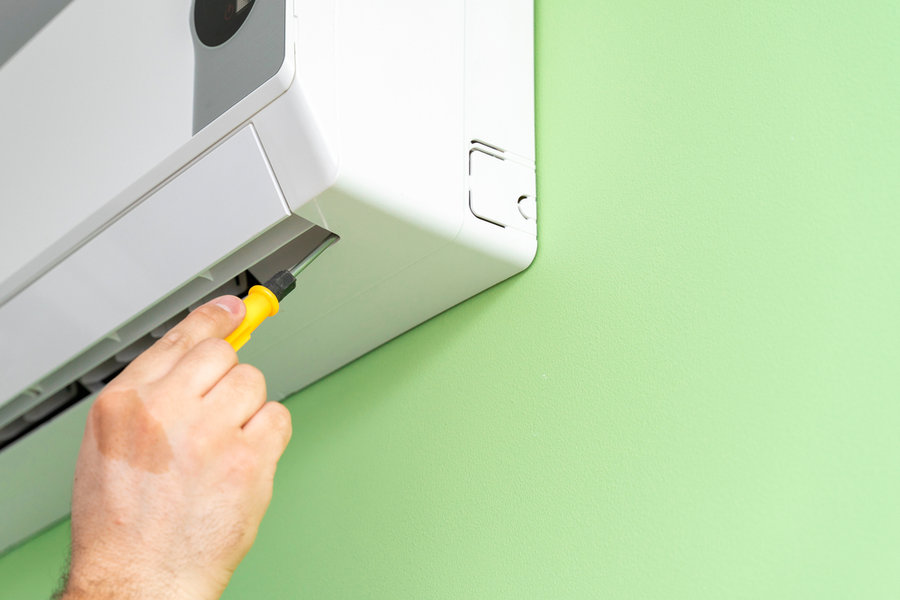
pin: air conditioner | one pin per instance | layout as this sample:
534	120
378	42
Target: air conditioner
156	155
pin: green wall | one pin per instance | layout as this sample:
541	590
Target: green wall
692	393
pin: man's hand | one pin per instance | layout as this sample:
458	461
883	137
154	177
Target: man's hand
176	467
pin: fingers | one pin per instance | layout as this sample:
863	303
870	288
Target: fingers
215	319
238	395
269	431
201	368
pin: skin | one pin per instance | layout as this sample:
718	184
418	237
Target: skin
175	469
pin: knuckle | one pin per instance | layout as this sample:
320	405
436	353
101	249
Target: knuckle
251	374
281	418
218	348
119	383
103	405
175	339
118	410
249	370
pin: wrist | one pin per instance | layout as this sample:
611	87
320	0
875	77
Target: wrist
107	581
103	580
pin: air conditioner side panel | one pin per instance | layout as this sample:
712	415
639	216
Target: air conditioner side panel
329	320
37	476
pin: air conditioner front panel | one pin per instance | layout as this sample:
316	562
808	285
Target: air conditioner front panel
101	104
219	204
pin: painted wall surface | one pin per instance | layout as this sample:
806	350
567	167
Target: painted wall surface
695	390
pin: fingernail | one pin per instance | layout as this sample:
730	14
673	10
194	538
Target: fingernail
232	304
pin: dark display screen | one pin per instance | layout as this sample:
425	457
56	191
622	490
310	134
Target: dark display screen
217	20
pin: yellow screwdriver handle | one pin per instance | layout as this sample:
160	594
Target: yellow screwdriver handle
261	304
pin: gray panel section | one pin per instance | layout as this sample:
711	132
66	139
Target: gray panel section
20	20
225	74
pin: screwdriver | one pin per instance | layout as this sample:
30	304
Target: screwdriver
262	300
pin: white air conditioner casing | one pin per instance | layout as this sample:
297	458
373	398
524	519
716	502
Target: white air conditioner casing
142	171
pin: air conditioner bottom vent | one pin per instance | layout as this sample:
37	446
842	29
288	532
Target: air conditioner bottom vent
98	365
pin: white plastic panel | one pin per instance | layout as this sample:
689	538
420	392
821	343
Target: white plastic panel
500	74
502	192
37	476
399	89
70	96
207	212
95	114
